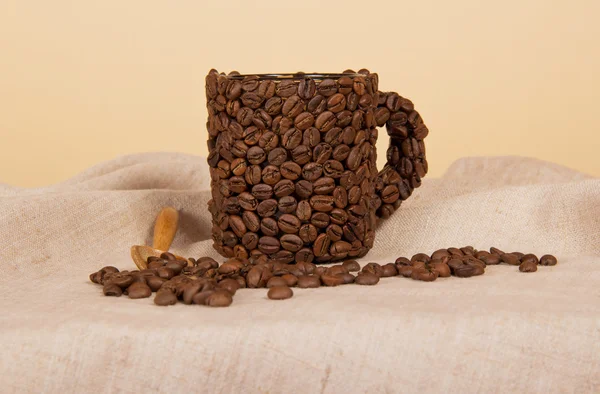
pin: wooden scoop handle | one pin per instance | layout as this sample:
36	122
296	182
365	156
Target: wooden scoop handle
165	228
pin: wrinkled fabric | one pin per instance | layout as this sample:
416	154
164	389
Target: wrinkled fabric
504	331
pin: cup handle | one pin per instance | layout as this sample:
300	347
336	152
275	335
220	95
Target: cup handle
406	163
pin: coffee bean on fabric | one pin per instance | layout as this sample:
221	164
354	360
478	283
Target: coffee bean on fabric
366	279
139	290
528	266
280	293
308	281
548	259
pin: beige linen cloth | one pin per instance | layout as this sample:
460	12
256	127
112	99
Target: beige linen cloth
503	332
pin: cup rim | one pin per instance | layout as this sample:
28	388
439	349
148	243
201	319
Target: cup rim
294	76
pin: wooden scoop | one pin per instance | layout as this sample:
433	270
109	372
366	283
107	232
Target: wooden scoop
165	229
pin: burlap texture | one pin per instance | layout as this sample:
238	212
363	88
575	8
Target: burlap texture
501	332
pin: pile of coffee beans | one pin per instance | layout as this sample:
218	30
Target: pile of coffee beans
205	282
292	163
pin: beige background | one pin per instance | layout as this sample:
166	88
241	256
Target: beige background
85	81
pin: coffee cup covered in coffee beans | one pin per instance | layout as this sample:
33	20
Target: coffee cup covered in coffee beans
293	163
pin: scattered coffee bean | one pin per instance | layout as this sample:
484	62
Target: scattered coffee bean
112	290
165	297
548	259
367	279
528	266
351	265
280	293
139	290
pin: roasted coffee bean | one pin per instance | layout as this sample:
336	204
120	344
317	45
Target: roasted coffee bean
274	105
267	208
420	257
333	168
161	263
250	240
324	185
321	245
340	197
280	293
290	280
308	281
277	156
229	284
303	210
268	245
121	279
317	105
548	259
262	191
302	154
334	232
389	270
332	280
510	259
112	290
268	226
442	269
290	170
351	265
325	121
304	121
341	152
256	155
236	184
518	254
312	172
139	290
166	273
373	268
155	282
287	204
336	103
291	242
405	271
530	257
322	203
209	261
176	265
304	255
250	83
455	252
283	188
468	250
496	251
366	279
308	233
266	89
286	88
293	106
251	136
424	274
271	175
201	298
307	88
289	224
327	87
291	139
311	137
440	254
165	297
268	141
322	153
253	175
219	298
276	281
303	189
528	266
